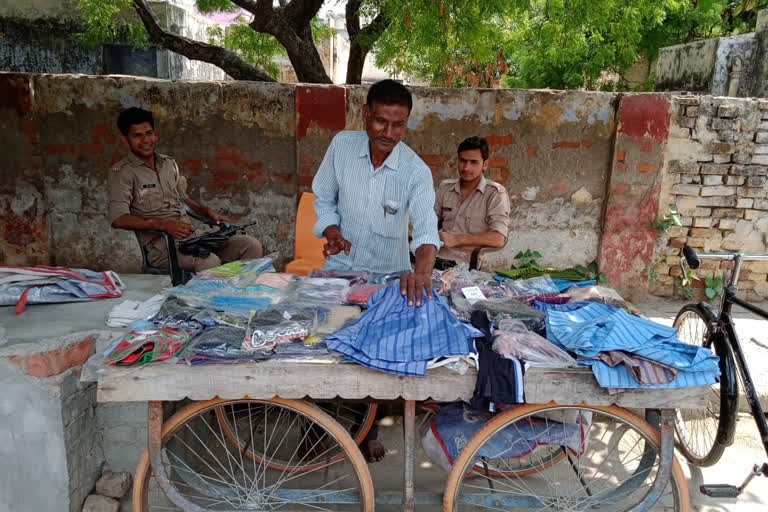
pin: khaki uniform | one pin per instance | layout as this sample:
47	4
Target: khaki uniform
485	209
137	189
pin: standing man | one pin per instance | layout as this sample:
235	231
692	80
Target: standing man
146	194
367	189
473	211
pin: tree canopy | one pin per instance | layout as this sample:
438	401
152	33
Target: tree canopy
480	43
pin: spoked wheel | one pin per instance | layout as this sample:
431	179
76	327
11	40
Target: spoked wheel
610	461
703	434
206	471
539	459
355	418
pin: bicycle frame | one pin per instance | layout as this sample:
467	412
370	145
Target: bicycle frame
724	324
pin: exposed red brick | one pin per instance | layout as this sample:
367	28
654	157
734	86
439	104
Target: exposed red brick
432	159
565	144
226	154
646	146
499	140
306	170
221	176
305	180
677	242
531	151
259	178
285	178
110	139
323	106
619	188
497	161
91	148
100	129
645	115
222	163
192	164
28	127
307	159
54	362
255	166
586	143
504	173
15	94
561	186
621	166
646	167
621	155
60	149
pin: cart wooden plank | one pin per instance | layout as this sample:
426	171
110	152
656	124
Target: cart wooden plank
297	380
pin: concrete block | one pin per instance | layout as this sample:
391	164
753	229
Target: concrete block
713	179
744	203
683	167
96	503
718	201
749	170
761	137
720	190
715	169
756	181
113	485
702	222
686	190
735	180
728	111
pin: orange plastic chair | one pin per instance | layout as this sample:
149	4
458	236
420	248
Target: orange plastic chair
307	249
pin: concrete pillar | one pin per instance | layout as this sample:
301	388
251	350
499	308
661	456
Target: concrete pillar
760	88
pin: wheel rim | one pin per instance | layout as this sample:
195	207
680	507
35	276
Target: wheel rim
614	470
697	429
208	470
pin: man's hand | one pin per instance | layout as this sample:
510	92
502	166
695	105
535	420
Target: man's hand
449	239
217	217
335	242
418	283
178	230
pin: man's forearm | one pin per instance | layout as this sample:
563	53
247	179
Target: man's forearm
487	239
425	258
134	223
197	207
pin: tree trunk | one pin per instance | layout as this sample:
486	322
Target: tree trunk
361	40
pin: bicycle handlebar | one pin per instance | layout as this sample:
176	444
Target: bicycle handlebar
690	256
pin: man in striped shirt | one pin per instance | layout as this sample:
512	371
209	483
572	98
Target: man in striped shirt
367	189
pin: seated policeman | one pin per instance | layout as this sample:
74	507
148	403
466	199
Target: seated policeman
146	194
472	210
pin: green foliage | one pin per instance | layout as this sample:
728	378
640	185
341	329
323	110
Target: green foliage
110	21
591	272
686	292
528	258
668	220
254	47
713	287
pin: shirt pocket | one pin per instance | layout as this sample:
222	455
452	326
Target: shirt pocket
148	195
389	225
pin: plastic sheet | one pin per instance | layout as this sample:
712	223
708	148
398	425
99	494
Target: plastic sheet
176	313
514	340
533	286
221	343
330	290
269	327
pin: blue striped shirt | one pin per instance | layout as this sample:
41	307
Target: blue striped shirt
351	194
587	328
396	338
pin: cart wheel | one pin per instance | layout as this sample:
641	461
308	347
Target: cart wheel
355	418
539	459
610	460
208	472
703	434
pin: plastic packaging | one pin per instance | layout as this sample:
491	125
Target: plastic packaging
353	277
175	313
241	269
533	286
269	327
276	280
142	347
239	305
360	294
335	318
221	343
211	318
330	290
506	309
514	340
597	294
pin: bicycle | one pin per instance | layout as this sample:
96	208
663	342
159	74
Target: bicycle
704	434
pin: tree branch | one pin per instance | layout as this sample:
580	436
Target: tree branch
249	5
225	59
300	12
361	40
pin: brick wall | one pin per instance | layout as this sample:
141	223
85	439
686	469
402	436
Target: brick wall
716	176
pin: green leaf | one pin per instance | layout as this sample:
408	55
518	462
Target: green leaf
519	255
601	278
536	254
580	269
711	294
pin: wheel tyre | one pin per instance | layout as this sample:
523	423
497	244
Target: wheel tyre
140	492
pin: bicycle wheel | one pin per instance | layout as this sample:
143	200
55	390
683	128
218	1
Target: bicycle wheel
611	459
703	434
539	459
356	418
210	473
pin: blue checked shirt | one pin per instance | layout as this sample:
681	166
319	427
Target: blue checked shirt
396	338
587	328
351	194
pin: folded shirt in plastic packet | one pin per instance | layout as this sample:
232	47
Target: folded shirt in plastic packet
269	327
221	343
359	294
146	346
211	318
239	269
276	280
334	318
514	340
533	286
351	276
176	313
239	305
332	290
500	310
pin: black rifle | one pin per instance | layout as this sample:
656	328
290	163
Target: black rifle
202	246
